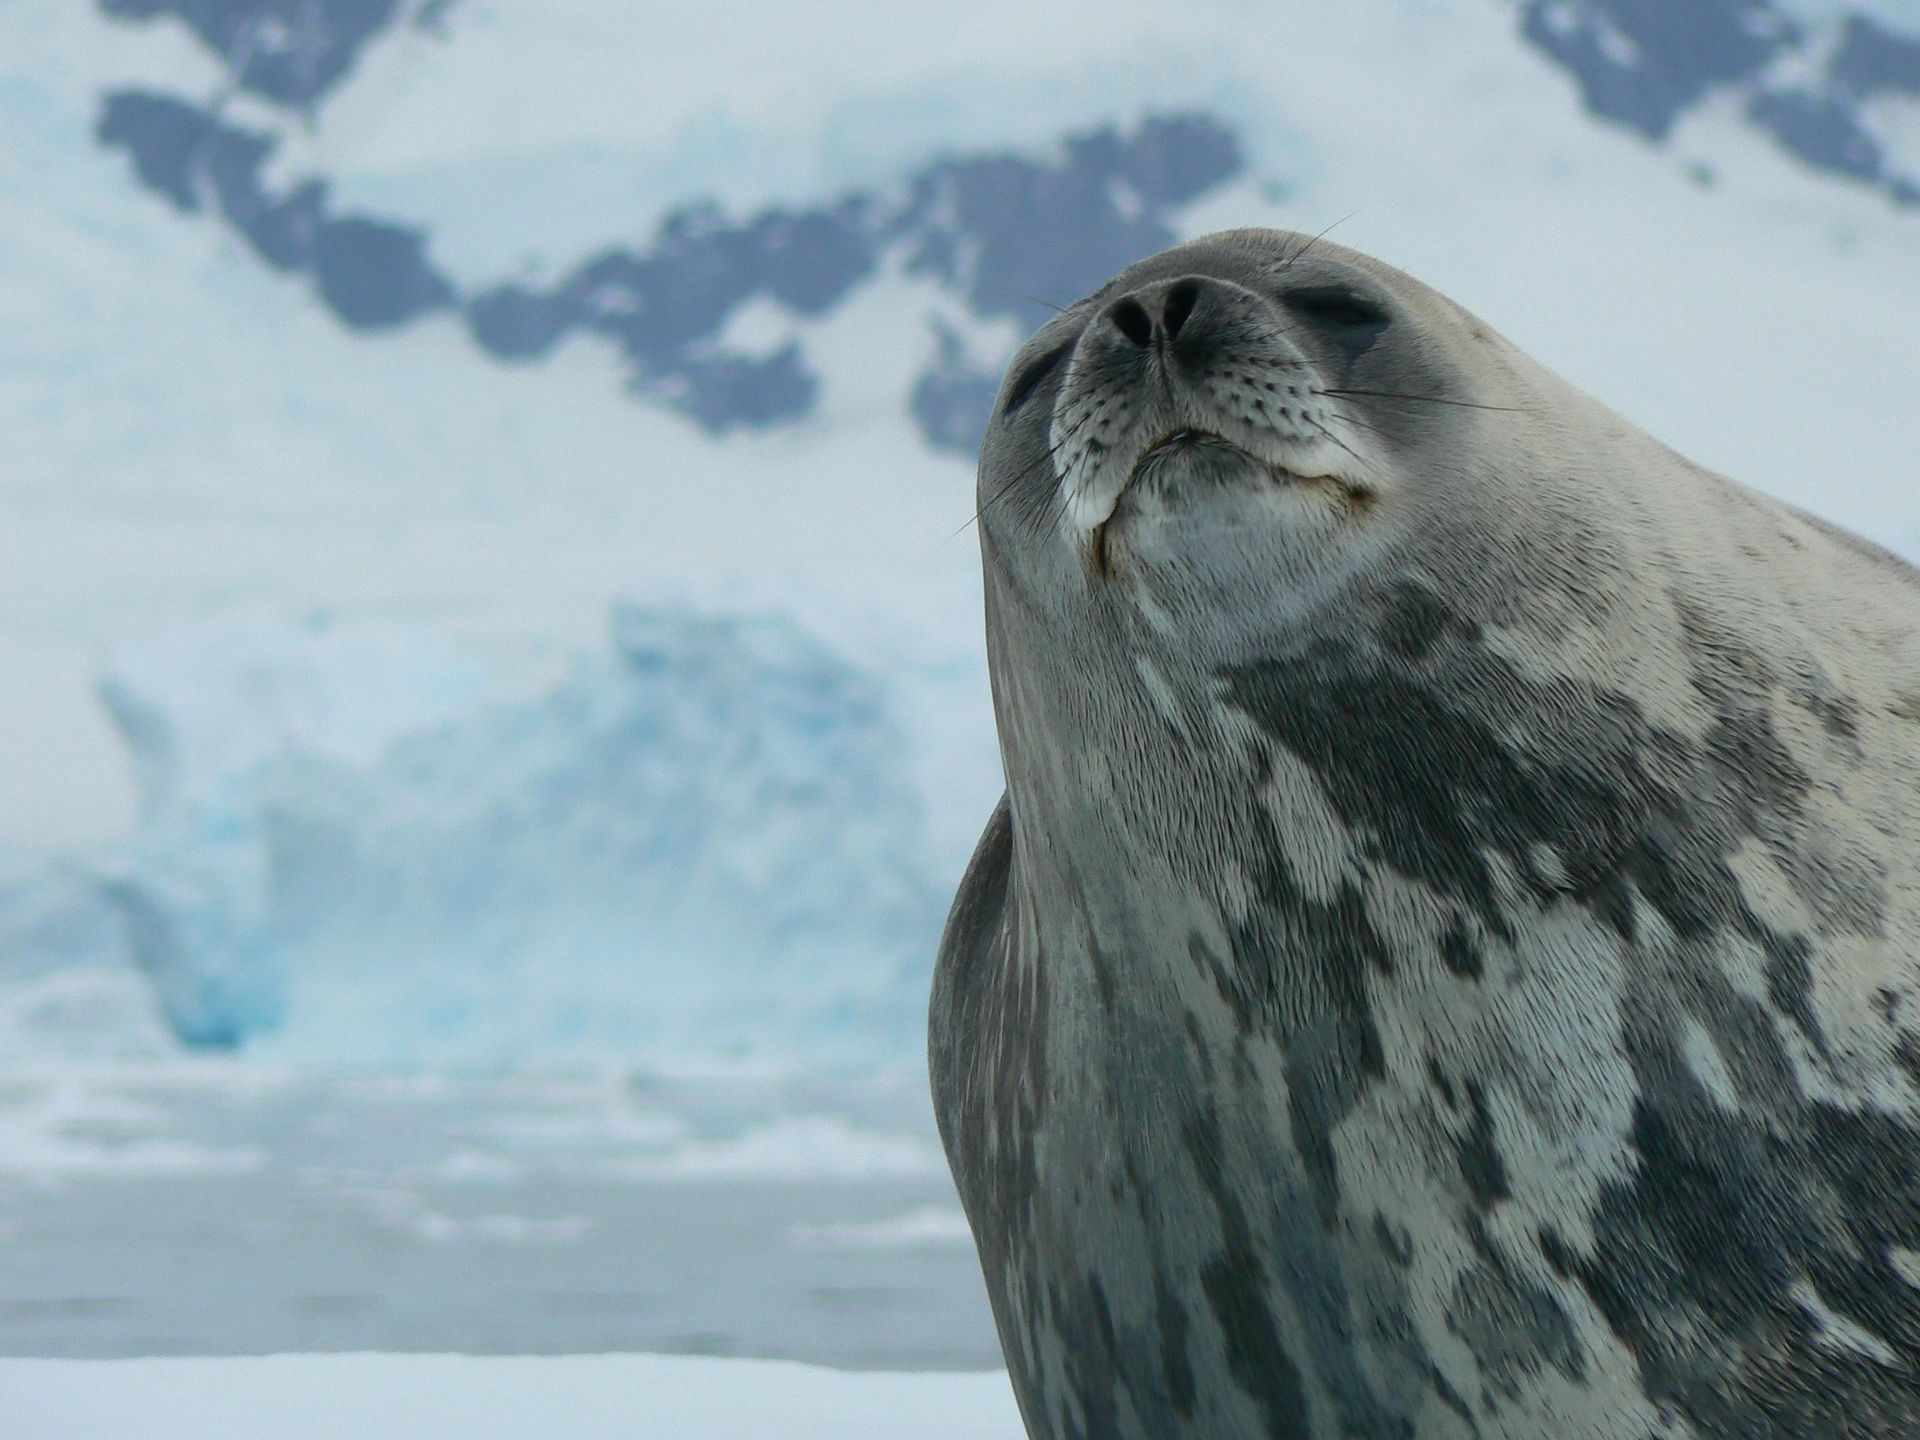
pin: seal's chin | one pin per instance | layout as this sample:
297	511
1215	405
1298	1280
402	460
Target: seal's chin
1182	467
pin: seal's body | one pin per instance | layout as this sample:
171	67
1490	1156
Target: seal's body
1445	965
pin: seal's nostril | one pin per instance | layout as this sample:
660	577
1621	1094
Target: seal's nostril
1130	318
1180	302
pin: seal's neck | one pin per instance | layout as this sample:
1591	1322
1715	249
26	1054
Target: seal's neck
1136	796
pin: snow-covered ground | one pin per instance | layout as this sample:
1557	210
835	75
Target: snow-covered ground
585	1397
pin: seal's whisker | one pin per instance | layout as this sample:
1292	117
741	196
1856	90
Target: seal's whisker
1054	512
1429	399
1052	456
1289	261
1051	453
1021	295
1347	417
1358	459
1001	493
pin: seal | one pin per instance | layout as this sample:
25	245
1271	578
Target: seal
1445	962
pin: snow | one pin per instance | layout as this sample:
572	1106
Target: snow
601	117
925	1225
68	1130
589	1397
798	1147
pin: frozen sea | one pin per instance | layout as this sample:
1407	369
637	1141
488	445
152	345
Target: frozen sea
225	1210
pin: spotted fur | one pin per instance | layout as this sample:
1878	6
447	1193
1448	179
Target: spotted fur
1445	964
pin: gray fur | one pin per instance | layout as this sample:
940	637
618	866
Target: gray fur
1445	964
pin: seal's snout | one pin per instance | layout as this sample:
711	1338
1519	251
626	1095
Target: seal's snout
1194	381
1174	330
1156	314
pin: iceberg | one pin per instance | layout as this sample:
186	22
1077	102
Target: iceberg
67	993
706	840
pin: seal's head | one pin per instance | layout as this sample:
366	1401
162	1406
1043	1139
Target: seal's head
1230	421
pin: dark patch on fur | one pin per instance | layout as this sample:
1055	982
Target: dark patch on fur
1629	809
1838	715
1170	1318
1414	620
1459	953
1397	1246
1906	1054
1512	1324
1789	972
1480	1163
1513	1329
1236	1286
1697	1254
1450	1397
1298	972
1106	1361
1554	1250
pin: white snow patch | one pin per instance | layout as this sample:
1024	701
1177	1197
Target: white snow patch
477	1167
926	1226
408	1397
800	1147
67	1130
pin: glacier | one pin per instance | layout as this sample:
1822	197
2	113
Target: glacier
706	839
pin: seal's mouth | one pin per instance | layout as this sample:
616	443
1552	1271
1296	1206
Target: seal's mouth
1185	438
1176	439
1189	440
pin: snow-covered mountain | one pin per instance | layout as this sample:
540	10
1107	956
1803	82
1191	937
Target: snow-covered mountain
998	228
454	322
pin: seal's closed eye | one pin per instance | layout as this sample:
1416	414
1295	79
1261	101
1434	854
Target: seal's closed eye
1029	378
1336	305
